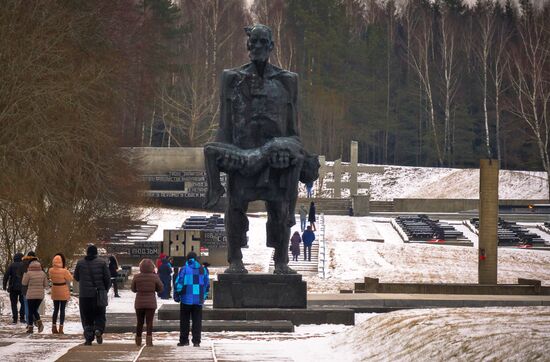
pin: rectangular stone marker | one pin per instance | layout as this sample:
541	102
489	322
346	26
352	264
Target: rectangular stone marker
488	221
259	291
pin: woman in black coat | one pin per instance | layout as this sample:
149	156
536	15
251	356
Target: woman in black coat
311	216
92	274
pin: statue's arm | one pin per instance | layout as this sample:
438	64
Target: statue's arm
225	127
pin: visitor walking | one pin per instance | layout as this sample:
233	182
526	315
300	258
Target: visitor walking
307	238
27	259
113	270
311	217
13	283
95	280
60	277
36	282
165	275
192	286
303	217
145	285
309	189
295	241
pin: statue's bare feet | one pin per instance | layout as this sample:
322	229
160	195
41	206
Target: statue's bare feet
213	196
281	268
236	267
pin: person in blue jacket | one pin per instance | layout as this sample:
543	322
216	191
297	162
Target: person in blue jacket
307	238
165	275
192	286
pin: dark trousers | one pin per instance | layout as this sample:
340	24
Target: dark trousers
306	250
92	317
144	315
115	285
33	310
193	312
14	297
59	306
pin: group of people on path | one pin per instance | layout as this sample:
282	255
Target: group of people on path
308	235
191	287
26	283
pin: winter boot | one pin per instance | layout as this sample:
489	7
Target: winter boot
138	340
61	329
54	329
30	328
40	326
149	340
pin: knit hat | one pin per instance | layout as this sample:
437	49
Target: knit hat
92	250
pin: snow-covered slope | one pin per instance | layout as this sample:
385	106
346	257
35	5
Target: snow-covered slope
446	183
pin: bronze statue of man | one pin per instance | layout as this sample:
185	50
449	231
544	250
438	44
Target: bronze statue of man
258	147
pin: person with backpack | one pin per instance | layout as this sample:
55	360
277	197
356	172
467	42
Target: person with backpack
13	283
60	292
36	282
192	286
145	285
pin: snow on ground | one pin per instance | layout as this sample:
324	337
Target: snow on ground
464	334
445	183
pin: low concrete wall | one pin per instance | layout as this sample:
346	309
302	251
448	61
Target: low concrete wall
371	285
161	160
450	205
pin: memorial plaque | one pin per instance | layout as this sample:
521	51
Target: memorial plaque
179	188
213	239
146	249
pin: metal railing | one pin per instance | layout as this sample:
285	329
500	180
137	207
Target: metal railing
323	258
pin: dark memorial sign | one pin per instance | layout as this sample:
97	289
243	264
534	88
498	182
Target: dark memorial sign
145	249
179	188
213	239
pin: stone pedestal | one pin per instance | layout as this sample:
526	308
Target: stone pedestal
360	204
259	291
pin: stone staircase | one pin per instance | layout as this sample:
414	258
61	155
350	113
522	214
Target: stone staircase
302	266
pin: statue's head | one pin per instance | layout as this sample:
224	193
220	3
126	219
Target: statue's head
260	42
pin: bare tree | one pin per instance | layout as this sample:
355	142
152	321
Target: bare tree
58	108
421	57
498	72
450	76
486	27
530	78
273	14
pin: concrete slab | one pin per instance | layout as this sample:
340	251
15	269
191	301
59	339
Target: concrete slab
103	352
315	315
385	302
174	353
164	351
126	323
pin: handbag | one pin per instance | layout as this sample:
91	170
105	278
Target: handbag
102	299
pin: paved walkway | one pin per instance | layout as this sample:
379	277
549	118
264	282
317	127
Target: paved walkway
164	351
